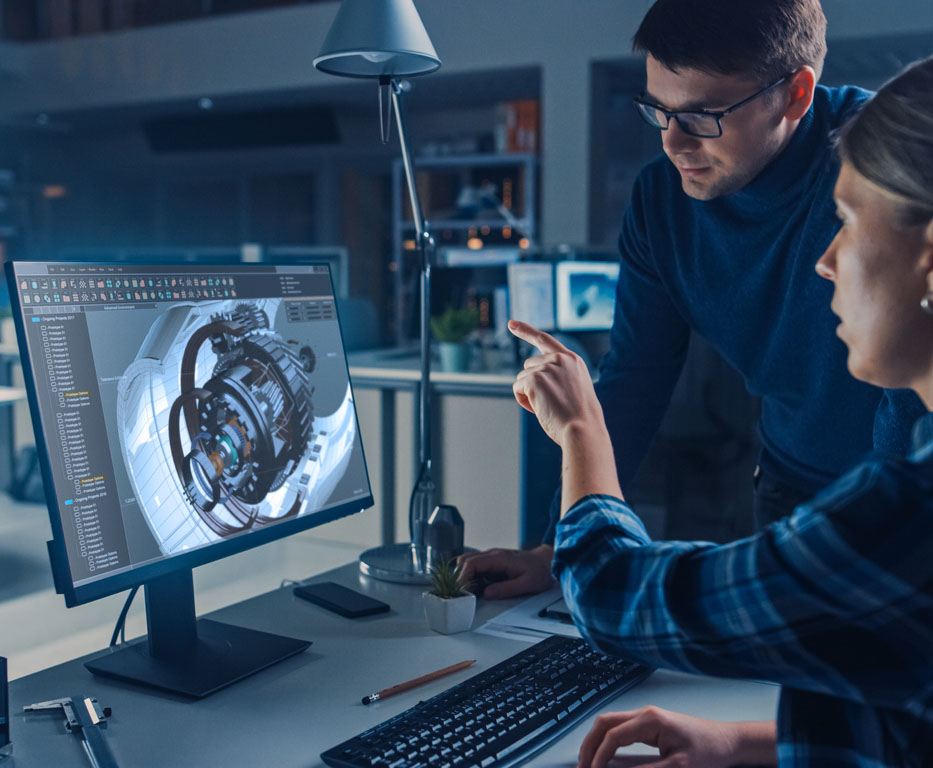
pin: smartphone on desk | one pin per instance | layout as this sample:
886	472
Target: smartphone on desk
341	600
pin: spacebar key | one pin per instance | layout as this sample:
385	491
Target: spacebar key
522	743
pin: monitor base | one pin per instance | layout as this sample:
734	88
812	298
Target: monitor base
222	655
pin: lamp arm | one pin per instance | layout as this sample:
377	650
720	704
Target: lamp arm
396	88
423	495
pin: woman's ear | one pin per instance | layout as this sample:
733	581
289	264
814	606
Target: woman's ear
927	263
801	85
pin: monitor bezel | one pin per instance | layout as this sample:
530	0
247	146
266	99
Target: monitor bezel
109	585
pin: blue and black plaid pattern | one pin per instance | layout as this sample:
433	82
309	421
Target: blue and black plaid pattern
835	603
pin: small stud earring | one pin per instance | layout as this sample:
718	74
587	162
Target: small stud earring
926	303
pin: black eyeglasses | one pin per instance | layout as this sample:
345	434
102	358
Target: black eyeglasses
702	123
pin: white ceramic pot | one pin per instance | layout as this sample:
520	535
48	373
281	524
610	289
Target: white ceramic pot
449	615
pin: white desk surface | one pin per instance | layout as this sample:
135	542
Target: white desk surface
379	365
405	365
11	394
288	714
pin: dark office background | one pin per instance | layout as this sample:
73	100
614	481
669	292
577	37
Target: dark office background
304	167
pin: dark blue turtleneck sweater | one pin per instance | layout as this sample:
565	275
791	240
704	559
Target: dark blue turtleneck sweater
739	271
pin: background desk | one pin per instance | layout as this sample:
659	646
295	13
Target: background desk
287	715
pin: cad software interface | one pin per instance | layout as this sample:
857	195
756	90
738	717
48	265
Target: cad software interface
186	405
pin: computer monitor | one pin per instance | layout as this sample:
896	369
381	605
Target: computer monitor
531	293
585	292
184	413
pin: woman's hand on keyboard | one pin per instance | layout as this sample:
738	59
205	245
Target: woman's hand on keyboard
683	741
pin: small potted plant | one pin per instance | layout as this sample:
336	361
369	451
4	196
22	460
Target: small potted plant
450	329
448	606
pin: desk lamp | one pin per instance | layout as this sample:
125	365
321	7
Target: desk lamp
385	40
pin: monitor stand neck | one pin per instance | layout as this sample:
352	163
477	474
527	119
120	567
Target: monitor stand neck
186	655
170	616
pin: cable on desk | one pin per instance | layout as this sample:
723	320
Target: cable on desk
120	628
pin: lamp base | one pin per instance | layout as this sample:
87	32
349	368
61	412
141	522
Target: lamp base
393	562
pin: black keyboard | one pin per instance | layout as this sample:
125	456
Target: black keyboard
500	717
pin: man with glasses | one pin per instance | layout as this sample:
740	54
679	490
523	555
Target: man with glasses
704	123
721	237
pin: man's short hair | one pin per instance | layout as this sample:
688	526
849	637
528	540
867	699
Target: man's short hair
765	39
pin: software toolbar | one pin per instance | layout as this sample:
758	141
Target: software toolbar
106	289
90	285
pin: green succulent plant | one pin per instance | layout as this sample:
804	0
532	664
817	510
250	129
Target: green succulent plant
447	580
454	324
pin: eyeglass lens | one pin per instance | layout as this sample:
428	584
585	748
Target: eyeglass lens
694	123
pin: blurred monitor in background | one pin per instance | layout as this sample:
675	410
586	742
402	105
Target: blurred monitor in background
585	294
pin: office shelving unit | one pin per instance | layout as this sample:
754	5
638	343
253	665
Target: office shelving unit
441	182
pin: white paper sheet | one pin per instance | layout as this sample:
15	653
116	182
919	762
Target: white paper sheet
524	622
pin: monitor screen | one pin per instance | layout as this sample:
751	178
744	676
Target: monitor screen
531	293
184	412
586	292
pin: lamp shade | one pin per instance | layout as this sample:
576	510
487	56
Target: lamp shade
377	38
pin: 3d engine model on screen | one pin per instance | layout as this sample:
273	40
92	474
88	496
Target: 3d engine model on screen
249	424
217	425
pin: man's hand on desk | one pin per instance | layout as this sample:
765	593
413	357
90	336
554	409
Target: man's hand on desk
684	741
513	572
